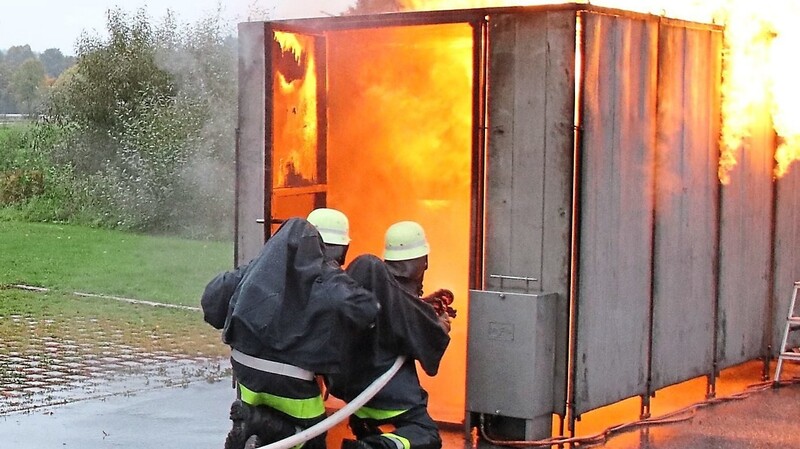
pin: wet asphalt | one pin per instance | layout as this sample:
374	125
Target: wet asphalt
89	389
194	415
188	416
768	419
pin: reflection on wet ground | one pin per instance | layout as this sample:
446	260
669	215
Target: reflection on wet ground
47	361
747	413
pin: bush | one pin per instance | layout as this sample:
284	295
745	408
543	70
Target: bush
19	185
141	131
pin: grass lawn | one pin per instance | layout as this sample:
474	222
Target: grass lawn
66	258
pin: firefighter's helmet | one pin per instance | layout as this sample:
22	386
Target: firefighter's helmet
405	240
332	225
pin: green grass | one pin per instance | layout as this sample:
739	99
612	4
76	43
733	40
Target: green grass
67	258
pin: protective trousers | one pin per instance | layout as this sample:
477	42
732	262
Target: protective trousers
413	429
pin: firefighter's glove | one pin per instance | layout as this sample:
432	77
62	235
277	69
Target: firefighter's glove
444	295
444	321
440	300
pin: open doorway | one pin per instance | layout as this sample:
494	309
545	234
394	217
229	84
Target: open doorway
378	123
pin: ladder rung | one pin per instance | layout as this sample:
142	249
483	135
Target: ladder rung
794	319
790	355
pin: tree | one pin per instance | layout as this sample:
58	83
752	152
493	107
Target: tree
148	114
7	104
54	62
18	54
112	75
26	85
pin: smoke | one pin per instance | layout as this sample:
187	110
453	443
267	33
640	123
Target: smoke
202	60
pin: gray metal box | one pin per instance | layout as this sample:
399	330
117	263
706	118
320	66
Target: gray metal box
511	355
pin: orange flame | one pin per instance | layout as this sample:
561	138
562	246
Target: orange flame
400	148
295	107
785	92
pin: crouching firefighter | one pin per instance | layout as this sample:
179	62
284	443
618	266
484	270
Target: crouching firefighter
406	326
287	315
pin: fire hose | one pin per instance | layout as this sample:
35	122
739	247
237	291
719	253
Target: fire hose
342	413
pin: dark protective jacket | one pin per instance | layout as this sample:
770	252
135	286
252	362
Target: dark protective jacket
289	304
406	326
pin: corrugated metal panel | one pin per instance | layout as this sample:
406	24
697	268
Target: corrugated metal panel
252	140
787	258
687	190
745	251
615	209
529	160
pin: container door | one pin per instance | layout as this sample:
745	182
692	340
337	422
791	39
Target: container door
296	125
280	147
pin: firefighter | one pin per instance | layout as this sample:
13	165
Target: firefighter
288	315
405	326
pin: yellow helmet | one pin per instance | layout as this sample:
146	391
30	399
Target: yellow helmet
405	240
332	225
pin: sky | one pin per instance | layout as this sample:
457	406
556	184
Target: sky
44	24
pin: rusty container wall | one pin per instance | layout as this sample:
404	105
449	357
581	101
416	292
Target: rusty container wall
616	209
687	191
745	250
253	139
529	161
787	258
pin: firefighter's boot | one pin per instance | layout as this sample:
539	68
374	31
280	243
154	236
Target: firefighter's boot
240	430
270	426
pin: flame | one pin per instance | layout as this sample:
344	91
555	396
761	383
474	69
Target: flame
785	93
759	64
295	108
400	148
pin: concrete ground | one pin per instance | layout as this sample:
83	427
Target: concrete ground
86	387
189	416
194	415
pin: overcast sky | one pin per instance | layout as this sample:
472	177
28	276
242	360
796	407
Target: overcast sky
44	24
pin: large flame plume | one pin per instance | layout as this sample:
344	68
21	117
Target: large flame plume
760	65
400	148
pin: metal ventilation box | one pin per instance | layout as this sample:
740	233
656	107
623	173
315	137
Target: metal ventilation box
510	361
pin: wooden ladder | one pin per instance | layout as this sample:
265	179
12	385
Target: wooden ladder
792	324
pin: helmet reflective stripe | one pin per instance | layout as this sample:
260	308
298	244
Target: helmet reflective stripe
405	240
332	225
408	246
339	233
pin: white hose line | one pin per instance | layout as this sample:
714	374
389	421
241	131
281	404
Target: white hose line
339	416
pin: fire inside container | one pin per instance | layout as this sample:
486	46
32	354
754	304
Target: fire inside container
563	162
